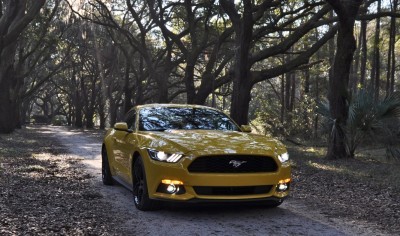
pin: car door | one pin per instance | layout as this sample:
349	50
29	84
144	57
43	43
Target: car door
126	144
117	139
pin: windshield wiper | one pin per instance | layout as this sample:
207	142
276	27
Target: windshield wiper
161	129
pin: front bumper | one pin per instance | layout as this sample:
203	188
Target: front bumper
157	171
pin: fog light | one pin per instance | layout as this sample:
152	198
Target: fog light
172	188
282	187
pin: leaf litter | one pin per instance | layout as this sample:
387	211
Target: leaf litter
43	192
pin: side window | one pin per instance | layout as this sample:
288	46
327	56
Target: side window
130	119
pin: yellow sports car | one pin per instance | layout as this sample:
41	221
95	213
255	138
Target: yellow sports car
193	153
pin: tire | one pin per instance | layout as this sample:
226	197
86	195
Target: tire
105	168
140	191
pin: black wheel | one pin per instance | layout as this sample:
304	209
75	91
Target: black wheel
140	193
105	168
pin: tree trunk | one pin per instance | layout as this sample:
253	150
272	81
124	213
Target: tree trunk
78	105
9	103
205	89
363	45
375	70
25	112
78	115
331	48
306	94
10	86
201	96
89	119
391	52
307	80
292	91
91	104
14	18
240	103
282	115
102	113
339	80
355	67
288	83
70	113
162	89
241	82
127	88
338	92
287	94
139	84
112	110
189	81
316	119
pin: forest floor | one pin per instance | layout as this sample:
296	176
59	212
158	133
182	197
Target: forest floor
43	193
44	189
365	189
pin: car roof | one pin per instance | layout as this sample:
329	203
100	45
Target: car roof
155	105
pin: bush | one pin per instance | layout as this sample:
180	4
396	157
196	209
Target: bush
59	120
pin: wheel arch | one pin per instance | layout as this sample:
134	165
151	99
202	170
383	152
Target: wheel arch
104	149
110	158
135	155
105	146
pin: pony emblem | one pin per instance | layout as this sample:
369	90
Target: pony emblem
236	163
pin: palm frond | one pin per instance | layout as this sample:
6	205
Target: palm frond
361	110
368	118
390	106
393	153
323	109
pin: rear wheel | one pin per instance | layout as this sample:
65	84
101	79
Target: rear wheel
140	191
105	168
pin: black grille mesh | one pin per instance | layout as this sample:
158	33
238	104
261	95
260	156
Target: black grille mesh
226	164
232	191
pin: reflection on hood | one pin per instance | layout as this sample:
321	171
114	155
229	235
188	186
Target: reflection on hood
205	142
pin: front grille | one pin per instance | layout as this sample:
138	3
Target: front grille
232	191
233	164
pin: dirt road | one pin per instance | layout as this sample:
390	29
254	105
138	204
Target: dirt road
291	218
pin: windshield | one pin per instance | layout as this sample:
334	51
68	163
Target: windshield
163	118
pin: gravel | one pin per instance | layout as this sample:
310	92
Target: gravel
50	184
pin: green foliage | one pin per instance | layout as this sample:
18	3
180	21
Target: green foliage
369	119
59	120
298	122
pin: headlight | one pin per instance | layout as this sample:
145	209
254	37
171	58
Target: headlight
162	156
283	157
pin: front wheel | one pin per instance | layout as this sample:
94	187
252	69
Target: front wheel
105	168
140	192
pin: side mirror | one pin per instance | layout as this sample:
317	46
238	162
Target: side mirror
122	126
246	128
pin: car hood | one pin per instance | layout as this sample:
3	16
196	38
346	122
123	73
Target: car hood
209	142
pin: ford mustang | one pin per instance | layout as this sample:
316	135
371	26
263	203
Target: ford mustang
189	153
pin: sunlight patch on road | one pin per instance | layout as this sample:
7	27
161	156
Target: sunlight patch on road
324	167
